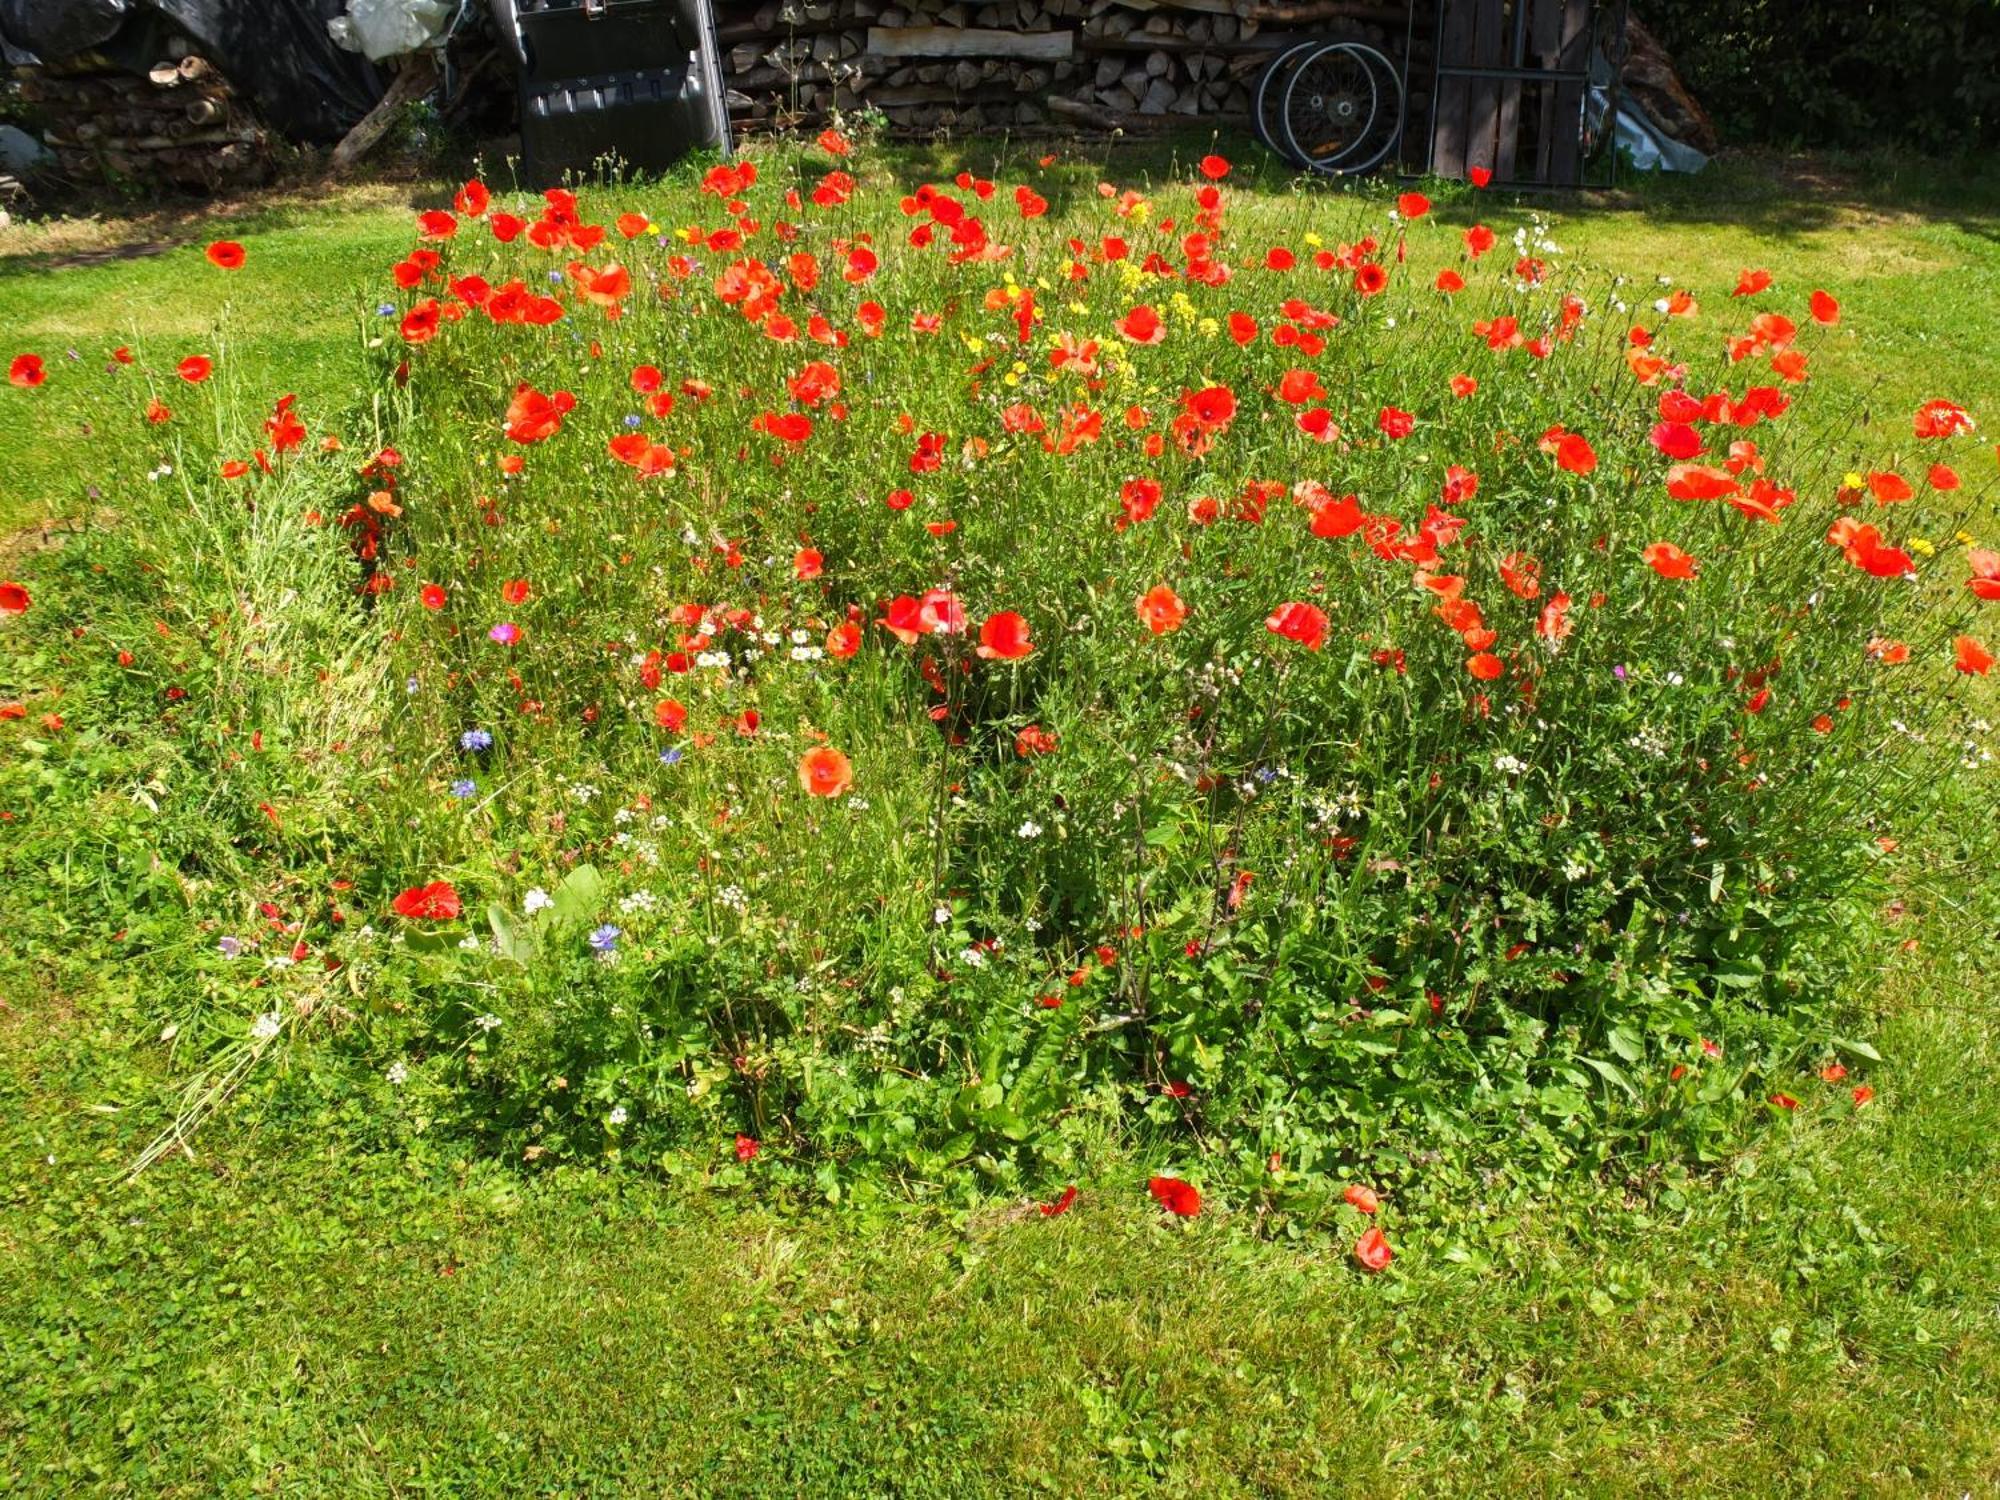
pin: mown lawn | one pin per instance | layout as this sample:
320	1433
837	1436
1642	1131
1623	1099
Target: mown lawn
289	1314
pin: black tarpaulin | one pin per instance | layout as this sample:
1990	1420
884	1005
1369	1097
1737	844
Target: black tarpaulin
277	53
60	28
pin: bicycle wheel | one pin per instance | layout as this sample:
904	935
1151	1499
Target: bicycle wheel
1267	96
1342	110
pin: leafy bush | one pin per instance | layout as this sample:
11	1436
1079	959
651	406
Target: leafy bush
1921	73
867	690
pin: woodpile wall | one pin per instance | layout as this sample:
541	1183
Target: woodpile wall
1030	66
178	124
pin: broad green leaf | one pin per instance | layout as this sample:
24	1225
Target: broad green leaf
1611	1073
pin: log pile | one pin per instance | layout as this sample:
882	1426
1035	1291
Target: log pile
1028	66
177	125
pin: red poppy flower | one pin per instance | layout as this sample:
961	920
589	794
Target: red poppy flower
433	596
646	457
533	417
1061	1205
1004	637
1485	666
747	1147
1889	489
1317	423
1677	440
1449	281
843	640
825	772
1699	482
436	902
1479	176
472	199
1297	621
516	591
1297	387
1214	168
1395	423
1574	454
1973	659
1142	326
13	599
226	254
1363	1198
1372	1250
1985	579
1175	1196
436	224
1863	546
1825	310
195	368
1669	561
1034	740
1161	610
1370	279
1750	283
1211	408
1941	419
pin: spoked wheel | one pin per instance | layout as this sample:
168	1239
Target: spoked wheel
1341	111
1269	95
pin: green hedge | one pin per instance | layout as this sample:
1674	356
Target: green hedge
1919	73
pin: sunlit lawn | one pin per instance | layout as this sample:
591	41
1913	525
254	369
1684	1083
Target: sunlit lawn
290	1313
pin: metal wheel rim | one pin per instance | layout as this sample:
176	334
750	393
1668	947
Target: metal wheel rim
1374	142
1267	130
1333	103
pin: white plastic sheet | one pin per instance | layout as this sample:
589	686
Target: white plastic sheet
378	29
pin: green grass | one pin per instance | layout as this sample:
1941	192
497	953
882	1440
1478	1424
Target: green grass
288	1313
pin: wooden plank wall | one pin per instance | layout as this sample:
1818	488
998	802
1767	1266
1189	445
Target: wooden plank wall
1522	130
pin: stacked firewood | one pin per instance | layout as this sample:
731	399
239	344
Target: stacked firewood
177	125
1031	66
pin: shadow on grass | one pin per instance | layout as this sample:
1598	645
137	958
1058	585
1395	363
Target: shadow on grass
95	232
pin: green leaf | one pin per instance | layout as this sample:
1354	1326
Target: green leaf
576	899
1611	1073
1856	1049
1627	1043
512	942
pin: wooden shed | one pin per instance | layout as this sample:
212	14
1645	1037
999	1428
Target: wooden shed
1498	84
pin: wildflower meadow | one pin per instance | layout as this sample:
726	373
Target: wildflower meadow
834	692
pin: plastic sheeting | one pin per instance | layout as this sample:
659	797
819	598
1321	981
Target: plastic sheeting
276	52
60	28
1641	138
379	29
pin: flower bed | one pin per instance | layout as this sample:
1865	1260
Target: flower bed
817	682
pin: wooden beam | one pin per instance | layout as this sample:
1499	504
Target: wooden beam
946	41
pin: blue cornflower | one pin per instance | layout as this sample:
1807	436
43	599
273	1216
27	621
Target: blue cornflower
475	739
605	939
386	310
633	419
670	757
465	788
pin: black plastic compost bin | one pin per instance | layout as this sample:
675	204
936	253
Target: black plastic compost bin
637	82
